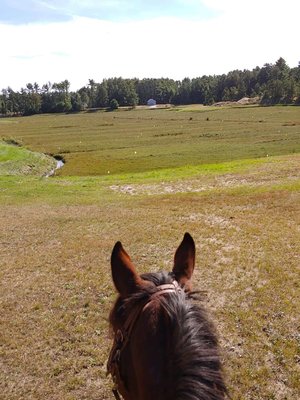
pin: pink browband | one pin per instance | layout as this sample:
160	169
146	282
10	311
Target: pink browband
162	289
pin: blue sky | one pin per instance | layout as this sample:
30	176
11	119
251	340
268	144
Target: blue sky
34	11
43	40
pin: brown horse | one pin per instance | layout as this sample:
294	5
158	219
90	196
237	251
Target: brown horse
164	347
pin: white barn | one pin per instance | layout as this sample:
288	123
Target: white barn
151	103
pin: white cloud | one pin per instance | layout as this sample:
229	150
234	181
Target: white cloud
242	35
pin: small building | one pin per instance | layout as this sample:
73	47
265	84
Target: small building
151	103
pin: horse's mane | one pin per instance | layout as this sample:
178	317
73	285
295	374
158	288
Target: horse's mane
194	367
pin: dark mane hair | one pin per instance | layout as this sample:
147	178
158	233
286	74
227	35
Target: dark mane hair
194	362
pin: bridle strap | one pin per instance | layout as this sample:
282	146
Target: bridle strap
163	289
116	394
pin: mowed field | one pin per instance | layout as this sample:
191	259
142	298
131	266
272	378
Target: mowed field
229	176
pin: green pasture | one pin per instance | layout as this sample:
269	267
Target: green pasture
102	143
15	160
229	176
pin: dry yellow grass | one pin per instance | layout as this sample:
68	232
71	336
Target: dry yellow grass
56	289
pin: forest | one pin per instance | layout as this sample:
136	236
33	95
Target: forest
271	84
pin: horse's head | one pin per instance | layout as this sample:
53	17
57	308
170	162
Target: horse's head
156	330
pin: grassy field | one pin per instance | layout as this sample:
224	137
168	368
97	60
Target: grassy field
17	160
232	181
103	143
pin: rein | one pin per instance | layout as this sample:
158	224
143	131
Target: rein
122	336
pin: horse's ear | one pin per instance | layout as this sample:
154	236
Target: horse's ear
124	275
184	260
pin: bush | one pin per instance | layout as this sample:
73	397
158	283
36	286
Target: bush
113	104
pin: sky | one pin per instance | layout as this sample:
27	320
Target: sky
78	40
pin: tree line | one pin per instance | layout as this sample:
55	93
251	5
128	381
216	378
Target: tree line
272	84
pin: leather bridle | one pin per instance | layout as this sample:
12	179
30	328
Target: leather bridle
122	336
